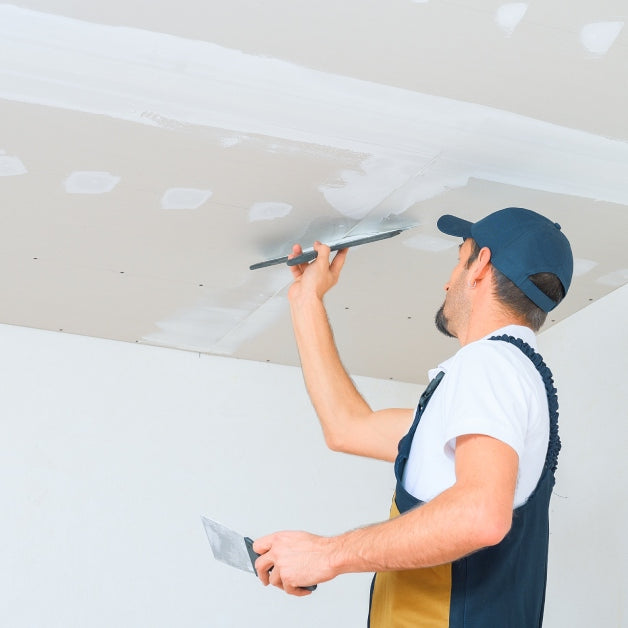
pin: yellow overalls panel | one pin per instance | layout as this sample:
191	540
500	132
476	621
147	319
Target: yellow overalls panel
411	599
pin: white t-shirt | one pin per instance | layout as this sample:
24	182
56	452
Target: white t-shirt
490	387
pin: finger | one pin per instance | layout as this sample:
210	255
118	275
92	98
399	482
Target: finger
322	251
263	543
338	262
263	571
296	271
274	578
296	251
297	591
264	563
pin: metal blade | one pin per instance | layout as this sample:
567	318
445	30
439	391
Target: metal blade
350	240
228	546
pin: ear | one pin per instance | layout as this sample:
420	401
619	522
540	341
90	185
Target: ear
481	265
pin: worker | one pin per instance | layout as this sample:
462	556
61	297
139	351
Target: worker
467	540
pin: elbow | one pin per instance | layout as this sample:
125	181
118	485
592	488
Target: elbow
492	528
340	438
334	442
487	521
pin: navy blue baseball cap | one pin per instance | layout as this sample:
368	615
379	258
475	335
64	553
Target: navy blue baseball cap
522	243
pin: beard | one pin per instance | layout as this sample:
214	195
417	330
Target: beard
442	324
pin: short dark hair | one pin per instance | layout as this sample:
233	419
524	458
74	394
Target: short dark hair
513	298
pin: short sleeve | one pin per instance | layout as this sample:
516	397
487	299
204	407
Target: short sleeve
487	392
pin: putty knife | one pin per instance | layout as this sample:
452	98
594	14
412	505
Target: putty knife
344	243
232	548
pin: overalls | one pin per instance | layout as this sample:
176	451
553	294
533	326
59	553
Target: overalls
502	586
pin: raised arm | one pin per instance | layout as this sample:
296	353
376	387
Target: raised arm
348	422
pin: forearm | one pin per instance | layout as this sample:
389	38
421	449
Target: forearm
449	527
335	398
475	512
348	423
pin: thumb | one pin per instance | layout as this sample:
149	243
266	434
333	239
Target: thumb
338	262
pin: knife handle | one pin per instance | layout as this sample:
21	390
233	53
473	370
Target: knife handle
308	256
253	555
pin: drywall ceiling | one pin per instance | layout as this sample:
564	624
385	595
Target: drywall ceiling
150	152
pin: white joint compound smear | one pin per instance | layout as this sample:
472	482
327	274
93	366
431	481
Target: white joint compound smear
509	15
210	328
421	144
598	37
197	329
90	182
358	192
253	326
11	166
184	198
582	266
615	279
228	142
432	244
268	211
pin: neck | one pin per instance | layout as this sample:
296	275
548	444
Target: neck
485	317
484	328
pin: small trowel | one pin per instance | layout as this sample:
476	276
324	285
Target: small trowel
232	548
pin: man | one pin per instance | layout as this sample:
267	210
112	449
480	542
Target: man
467	541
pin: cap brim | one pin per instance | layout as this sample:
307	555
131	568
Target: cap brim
454	226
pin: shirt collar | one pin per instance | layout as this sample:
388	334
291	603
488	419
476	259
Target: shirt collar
518	331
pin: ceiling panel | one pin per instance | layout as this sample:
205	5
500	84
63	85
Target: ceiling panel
150	152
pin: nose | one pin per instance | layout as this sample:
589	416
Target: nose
446	287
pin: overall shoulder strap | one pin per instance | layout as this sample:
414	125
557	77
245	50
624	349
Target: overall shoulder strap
403	448
553	448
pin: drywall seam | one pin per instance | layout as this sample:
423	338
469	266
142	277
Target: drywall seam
128	73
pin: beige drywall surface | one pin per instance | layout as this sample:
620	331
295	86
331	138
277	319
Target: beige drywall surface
149	157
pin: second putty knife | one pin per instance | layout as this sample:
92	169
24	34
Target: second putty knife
232	548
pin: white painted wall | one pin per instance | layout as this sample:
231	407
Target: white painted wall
588	582
110	452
